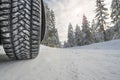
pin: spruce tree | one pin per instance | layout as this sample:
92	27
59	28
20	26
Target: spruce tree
78	36
86	33
93	26
115	14
71	38
48	17
52	18
115	8
51	38
101	16
93	30
65	44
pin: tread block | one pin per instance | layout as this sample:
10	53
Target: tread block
20	26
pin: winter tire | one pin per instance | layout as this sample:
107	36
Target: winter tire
20	23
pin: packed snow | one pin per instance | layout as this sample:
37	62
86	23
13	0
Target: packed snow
100	61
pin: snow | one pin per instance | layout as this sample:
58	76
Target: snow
110	45
98	61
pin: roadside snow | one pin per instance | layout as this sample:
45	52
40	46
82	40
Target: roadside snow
114	45
99	61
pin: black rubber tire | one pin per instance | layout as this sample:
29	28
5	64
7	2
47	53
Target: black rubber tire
43	22
20	28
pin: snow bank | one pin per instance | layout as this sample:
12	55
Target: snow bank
114	45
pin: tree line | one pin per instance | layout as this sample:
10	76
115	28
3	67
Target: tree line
51	36
99	30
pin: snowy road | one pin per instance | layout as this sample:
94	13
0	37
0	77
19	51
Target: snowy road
94	62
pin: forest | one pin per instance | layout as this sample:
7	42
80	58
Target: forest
97	30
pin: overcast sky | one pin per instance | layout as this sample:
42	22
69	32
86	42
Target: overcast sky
72	11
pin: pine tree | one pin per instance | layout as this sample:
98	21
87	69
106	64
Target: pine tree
48	17
101	16
71	38
86	34
78	36
115	7
85	24
93	26
51	38
52	18
115	15
54	39
65	44
93	30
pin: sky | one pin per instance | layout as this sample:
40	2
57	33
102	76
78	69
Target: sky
67	11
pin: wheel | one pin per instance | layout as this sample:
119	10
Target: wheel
20	23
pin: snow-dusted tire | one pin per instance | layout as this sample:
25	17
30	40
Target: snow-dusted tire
20	28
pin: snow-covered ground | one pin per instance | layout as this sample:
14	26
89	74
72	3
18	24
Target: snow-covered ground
99	61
